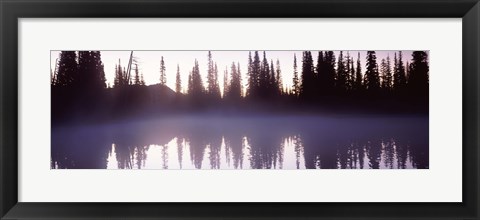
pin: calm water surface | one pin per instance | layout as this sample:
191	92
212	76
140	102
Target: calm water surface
305	142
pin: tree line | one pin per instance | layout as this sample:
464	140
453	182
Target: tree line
81	76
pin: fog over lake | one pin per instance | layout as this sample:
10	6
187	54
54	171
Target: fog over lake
246	142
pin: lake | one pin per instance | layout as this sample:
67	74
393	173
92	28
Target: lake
246	142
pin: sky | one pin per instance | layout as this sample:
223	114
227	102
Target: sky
149	63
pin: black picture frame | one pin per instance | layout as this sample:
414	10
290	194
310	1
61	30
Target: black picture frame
12	10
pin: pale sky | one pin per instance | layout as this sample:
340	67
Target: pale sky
149	63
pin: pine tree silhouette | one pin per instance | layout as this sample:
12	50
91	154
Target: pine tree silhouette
308	78
67	68
178	81
296	81
358	77
419	74
372	81
163	76
399	78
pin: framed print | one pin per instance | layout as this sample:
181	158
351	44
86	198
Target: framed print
225	109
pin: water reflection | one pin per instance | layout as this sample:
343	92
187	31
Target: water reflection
239	143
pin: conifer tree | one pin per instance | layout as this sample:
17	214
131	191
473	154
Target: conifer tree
419	73
341	73
348	72
251	78
254	81
85	70
225	83
321	73
190	83
383	72
195	87
116	80
67	68
372	81
163	76
296	81
352	75
136	80
216	85
178	81
91	73
388	74
279	77
121	78
308	86
358	77
273	81
330	71
399	78
257	68
100	80
234	89
264	79
142	81
212	87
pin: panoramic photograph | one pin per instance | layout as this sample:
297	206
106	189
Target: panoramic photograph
239	109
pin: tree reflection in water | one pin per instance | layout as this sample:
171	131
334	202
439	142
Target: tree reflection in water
265	144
